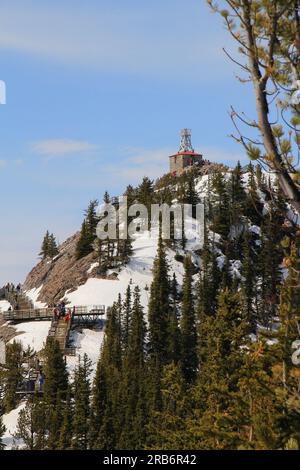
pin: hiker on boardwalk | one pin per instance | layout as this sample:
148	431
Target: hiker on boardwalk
68	316
30	381
62	308
56	313
9	287
40	381
37	363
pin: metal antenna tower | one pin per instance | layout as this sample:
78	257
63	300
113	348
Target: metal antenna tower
186	141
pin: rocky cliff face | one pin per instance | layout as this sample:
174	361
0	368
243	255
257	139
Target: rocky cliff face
62	273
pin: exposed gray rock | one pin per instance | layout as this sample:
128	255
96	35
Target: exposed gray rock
61	274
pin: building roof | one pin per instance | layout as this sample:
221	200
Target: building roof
194	154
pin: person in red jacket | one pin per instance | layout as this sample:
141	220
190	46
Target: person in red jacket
68	316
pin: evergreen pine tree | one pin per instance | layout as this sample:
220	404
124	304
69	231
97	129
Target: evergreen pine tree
253	209
145	196
45	246
189	359
54	421
82	390
286	371
221	357
126	317
92	218
105	400
106	198
159	306
131	195
133	432
31	425
13	375
83	247
100	403
56	376
238	194
238	198
209	279
248	280
168	428
53	249
145	192
220	205
126	250
66	430
88	231
270	258
174	340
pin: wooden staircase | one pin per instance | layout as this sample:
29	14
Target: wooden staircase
61	333
18	300
23	302
60	330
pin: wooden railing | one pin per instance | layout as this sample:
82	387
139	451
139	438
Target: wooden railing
47	313
69	351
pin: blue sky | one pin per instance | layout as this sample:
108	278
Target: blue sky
97	92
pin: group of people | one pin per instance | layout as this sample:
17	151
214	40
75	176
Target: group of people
11	293
10	287
60	311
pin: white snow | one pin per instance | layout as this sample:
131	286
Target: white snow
93	265
202	186
10	421
293	216
4	305
33	334
33	296
88	342
255	229
138	270
235	268
221	259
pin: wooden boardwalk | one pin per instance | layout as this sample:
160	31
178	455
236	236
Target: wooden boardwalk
83	313
60	331
23	310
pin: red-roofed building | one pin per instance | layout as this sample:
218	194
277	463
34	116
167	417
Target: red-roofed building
186	157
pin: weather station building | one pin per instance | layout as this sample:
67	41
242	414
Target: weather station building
186	157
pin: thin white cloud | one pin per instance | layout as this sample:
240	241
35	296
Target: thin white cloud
157	39
61	147
2	163
138	163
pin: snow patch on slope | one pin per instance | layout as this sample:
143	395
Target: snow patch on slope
93	266
33	295
10	421
137	272
86	342
4	306
33	334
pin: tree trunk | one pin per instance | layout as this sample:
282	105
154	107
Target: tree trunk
289	188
